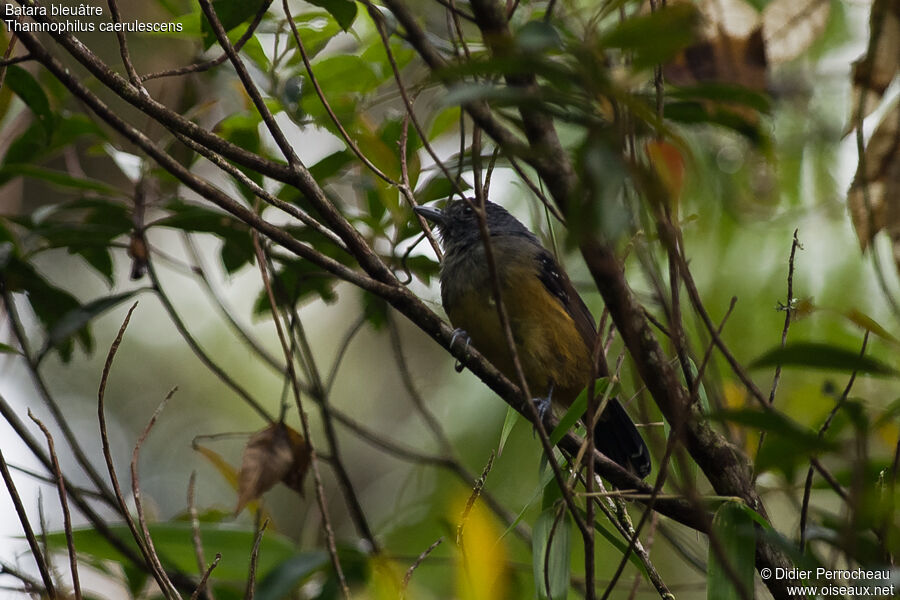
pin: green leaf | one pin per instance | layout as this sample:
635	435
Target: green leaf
656	37
376	310
788	444
438	187
237	249
332	165
343	11
616	541
99	258
57	178
285	578
869	324
546	476
577	410
537	36
296	282
822	356
512	417
4	349
551	554
173	543
48	302
78	318
445	119
29	146
342	74
231	13
772	422
735	533
29	90
728	93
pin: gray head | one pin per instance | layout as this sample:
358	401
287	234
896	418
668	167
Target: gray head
457	223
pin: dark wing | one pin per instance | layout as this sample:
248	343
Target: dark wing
558	283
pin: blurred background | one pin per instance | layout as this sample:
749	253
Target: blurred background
739	211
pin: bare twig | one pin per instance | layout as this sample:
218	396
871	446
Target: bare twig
807	486
473	497
415	565
355	328
166	585
123	46
304	419
788	313
58	417
197	541
198	351
209	64
26	527
64	503
203	586
254	556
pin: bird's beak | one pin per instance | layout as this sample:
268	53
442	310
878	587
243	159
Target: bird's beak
435	215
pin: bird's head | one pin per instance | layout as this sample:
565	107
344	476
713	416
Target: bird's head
457	223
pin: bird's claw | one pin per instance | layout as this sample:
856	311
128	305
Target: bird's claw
542	405
459	333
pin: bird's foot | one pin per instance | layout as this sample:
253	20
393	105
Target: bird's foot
542	405
461	334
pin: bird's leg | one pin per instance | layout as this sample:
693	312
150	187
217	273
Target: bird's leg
543	404
460	333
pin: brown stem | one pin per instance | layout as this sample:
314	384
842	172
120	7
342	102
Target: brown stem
64	503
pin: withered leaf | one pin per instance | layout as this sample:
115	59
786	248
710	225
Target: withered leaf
277	453
874	195
791	26
874	72
730	49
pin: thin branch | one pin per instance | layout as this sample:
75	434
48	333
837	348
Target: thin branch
166	585
26	528
473	497
419	560
788	313
807	486
406	377
123	46
58	417
143	547
203	586
355	328
64	503
259	191
304	419
198	269
209	64
351	143
254	559
14	61
829	478
197	542
199	352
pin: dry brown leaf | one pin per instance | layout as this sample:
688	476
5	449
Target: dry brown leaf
730	50
277	453
791	26
874	196
874	72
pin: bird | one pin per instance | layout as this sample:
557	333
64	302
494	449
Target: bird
553	330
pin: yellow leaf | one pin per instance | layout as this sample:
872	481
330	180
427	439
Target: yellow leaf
221	465
482	571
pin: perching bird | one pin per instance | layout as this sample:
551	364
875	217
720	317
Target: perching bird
553	330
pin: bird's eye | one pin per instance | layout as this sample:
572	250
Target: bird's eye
467	210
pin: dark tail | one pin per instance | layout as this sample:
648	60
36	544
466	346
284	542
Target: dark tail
616	436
